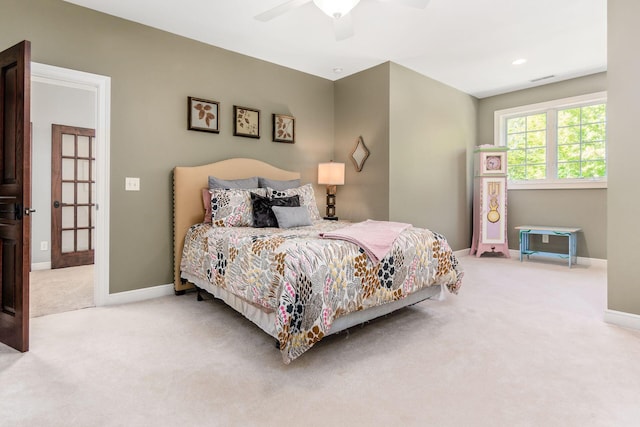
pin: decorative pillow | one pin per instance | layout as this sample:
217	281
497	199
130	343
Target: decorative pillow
263	216
278	184
307	198
206	201
247	183
291	216
232	208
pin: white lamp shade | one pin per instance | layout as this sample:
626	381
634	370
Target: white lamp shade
336	8
331	173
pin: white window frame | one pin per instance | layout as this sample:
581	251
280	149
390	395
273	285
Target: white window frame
551	108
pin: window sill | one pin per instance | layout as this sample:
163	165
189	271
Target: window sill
551	185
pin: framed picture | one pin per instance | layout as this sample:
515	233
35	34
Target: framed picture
203	115
246	122
284	128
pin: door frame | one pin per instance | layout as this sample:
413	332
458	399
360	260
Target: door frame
101	86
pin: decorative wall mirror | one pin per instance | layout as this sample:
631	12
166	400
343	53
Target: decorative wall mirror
359	154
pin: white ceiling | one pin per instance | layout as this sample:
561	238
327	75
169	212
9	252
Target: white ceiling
467	44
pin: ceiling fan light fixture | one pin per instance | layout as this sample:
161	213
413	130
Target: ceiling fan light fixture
336	8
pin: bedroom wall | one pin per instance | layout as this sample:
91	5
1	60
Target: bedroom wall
585	208
623	205
432	135
152	73
362	109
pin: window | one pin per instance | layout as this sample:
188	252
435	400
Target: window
557	144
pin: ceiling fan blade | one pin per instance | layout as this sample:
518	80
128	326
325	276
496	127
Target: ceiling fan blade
419	4
343	27
280	10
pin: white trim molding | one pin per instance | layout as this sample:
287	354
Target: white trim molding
621	318
38	266
139	294
515	256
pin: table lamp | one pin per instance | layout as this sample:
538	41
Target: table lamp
331	174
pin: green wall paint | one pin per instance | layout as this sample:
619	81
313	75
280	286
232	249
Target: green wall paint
432	135
362	109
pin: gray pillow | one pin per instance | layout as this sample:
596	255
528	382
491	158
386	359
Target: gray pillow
291	216
278	184
233	184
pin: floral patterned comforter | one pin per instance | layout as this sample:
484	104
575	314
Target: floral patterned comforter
310	281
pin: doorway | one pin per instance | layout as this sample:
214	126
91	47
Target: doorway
97	89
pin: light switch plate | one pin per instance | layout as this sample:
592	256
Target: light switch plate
132	184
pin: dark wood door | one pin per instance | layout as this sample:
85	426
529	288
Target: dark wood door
15	194
73	195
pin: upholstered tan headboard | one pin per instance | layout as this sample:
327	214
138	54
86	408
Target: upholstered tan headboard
188	183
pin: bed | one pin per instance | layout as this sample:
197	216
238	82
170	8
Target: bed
292	283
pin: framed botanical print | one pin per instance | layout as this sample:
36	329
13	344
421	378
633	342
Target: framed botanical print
246	122
203	115
284	128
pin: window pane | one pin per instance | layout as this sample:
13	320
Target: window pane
519	140
569	135
536	172
68	169
594	114
68	243
516	172
83	240
83	216
568	153
68	145
537	122
569	117
536	139
68	192
536	155
517	124
83	193
83	146
593	151
596	169
68	217
516	157
593	132
83	170
569	170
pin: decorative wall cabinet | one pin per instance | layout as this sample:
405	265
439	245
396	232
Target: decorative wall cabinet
490	201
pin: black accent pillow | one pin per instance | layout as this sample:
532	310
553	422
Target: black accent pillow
263	216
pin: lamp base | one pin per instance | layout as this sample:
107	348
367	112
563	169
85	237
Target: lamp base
331	201
330	218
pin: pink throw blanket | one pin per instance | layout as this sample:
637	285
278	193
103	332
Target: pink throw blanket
375	237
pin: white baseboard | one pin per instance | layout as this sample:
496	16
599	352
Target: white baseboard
139	294
40	266
515	254
620	318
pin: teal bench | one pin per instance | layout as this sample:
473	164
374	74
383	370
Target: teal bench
571	232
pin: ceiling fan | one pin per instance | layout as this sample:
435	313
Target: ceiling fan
338	10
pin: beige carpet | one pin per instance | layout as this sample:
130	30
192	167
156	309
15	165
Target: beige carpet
60	290
523	344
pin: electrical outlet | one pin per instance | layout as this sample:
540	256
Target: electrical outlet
44	246
545	238
132	184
